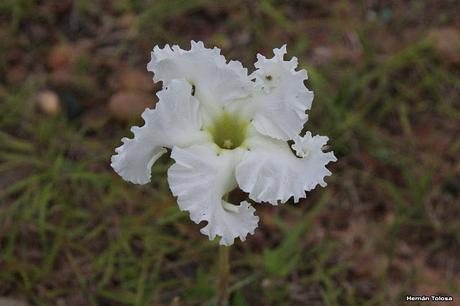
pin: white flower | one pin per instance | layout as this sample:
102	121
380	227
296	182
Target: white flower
226	129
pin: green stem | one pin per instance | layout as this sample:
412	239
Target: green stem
224	273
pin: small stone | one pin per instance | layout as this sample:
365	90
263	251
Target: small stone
48	102
266	283
446	41
175	301
137	80
126	106
131	79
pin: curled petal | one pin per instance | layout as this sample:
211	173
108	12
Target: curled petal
133	161
199	179
270	172
215	81
174	122
282	98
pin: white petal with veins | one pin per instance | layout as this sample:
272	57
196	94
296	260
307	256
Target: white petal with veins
174	122
215	81
283	98
199	179
270	172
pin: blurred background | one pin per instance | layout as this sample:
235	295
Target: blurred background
386	81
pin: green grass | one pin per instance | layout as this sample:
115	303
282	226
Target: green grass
387	225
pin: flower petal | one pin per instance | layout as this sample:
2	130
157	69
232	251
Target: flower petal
215	81
199	179
174	122
283	97
270	172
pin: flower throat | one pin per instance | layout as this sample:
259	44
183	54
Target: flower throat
228	131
